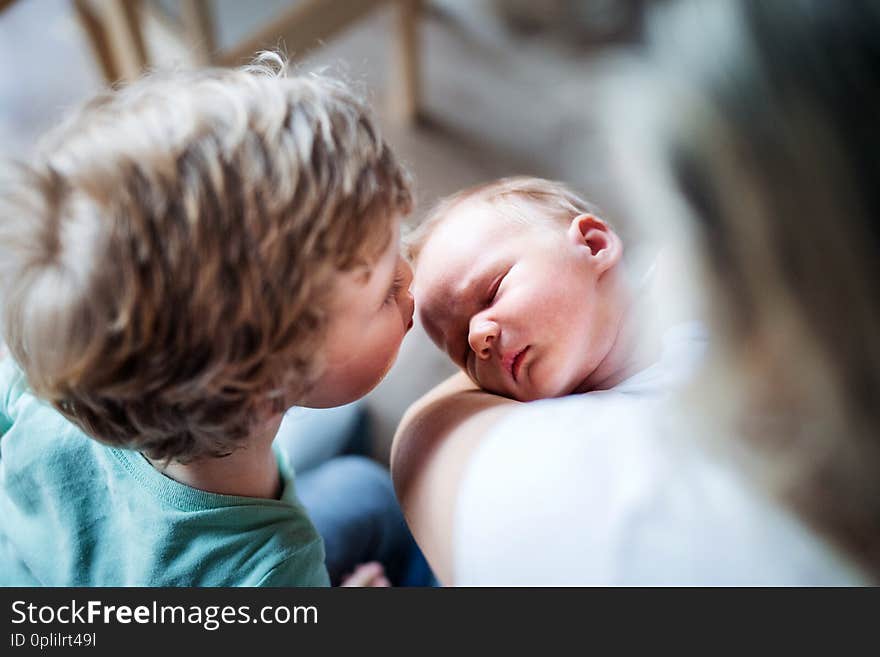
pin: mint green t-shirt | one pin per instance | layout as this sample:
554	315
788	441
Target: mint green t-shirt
74	512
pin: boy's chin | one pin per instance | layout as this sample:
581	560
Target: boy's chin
334	398
330	394
329	397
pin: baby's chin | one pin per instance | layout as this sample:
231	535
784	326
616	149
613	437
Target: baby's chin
532	393
535	395
536	387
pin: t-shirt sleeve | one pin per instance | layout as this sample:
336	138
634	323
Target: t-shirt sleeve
304	568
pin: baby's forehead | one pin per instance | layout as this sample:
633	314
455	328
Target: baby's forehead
482	218
454	258
475	213
463	235
439	301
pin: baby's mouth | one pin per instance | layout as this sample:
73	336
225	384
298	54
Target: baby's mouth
516	364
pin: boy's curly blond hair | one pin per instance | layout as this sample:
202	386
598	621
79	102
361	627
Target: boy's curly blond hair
164	261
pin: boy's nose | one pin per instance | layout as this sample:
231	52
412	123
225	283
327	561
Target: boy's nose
483	332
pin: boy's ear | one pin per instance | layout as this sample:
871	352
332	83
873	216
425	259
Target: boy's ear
605	247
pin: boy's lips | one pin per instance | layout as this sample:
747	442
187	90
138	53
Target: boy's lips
412	312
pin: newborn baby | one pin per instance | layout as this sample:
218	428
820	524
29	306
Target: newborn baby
521	284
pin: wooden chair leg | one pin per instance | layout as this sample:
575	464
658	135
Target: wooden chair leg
123	19
96	34
132	14
115	34
406	87
198	25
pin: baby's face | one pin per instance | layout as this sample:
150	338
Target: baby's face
368	318
521	308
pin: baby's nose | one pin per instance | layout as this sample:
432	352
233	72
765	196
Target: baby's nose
482	333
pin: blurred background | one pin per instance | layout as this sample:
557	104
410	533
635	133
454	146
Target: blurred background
466	90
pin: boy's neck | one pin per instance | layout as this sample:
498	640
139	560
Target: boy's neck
251	471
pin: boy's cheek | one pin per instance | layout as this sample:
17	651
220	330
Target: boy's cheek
369	372
346	381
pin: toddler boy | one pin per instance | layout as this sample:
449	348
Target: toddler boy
184	260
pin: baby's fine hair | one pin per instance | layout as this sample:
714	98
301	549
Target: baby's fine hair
165	258
524	199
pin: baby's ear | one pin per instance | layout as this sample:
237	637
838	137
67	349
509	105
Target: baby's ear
604	245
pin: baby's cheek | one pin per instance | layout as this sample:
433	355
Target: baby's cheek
552	372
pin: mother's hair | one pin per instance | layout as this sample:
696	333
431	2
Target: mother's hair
774	146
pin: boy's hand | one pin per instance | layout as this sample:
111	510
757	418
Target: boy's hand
370	575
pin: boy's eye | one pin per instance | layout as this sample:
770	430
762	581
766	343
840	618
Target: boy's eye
394	290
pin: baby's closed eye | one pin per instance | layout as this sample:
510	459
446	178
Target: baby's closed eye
495	287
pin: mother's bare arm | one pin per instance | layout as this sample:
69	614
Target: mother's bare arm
432	447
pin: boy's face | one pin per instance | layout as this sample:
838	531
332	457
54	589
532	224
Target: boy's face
369	314
525	309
